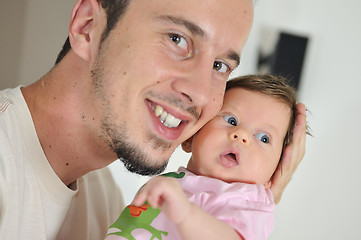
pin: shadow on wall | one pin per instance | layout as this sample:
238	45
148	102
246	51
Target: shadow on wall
283	56
11	41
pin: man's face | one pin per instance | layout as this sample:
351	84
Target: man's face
160	74
243	143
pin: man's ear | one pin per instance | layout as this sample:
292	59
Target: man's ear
81	26
187	145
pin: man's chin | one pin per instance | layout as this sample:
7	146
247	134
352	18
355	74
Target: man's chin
143	168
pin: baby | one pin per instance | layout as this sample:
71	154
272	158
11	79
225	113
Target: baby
224	191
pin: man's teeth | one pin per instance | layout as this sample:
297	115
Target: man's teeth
167	119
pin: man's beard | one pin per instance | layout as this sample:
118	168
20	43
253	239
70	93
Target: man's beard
132	156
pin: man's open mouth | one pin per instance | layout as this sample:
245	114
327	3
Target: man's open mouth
167	119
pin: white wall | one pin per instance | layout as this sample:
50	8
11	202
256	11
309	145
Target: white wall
323	199
12	21
32	33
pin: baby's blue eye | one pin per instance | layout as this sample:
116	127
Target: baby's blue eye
231	120
262	137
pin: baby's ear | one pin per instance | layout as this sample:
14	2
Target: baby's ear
187	145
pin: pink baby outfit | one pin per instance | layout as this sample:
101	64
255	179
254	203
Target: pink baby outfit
248	208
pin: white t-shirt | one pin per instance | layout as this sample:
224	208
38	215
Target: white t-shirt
34	202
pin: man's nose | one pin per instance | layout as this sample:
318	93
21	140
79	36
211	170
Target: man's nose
195	84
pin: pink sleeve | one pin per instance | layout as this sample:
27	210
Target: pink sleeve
248	208
251	222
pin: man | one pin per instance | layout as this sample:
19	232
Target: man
140	78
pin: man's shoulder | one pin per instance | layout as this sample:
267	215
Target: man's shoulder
11	102
7	99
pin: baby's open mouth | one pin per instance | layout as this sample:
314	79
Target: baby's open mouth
232	156
229	159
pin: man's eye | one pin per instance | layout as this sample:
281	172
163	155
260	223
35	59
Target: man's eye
262	137
231	120
221	67
179	40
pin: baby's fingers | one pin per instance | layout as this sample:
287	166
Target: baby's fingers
150	193
139	199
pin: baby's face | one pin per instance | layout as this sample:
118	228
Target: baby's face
243	143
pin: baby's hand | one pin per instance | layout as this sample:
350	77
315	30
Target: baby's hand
165	193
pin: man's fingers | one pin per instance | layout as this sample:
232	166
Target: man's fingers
298	144
292	155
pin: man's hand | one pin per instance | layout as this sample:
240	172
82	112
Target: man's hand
292	155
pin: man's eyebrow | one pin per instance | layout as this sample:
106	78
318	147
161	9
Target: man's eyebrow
235	56
192	27
197	30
